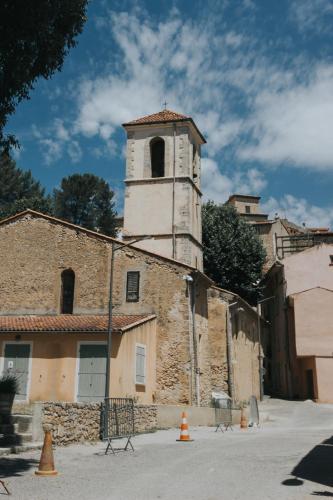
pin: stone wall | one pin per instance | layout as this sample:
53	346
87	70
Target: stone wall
81	422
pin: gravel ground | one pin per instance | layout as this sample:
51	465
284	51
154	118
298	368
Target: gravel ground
258	464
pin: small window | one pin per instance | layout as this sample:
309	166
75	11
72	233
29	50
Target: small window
331	260
67	291
132	286
140	364
247	209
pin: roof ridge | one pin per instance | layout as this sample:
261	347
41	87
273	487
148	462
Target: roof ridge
95	234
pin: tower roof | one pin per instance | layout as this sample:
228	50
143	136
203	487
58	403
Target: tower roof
164	116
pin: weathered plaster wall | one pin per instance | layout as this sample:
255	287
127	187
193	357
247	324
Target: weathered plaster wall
309	269
314	334
54	364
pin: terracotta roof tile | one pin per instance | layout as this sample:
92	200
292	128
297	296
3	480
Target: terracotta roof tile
163	116
69	323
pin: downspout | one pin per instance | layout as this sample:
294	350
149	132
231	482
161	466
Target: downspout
229	354
173	193
195	345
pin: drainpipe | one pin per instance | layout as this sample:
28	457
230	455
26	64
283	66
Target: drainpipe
195	343
229	353
173	193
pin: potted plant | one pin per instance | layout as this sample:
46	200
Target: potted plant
8	389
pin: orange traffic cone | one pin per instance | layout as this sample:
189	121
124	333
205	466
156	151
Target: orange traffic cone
243	420
184	435
46	463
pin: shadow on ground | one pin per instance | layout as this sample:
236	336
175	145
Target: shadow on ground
316	466
11	467
322	494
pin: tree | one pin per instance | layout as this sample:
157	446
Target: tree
86	200
233	253
35	35
19	190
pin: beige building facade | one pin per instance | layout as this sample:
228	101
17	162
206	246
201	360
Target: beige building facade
174	339
299	354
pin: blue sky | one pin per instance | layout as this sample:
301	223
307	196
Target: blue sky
256	76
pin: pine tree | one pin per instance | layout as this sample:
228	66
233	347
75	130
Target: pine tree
86	200
19	190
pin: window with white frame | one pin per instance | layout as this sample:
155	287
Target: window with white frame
140	364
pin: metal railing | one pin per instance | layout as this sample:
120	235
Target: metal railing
286	245
223	415
118	422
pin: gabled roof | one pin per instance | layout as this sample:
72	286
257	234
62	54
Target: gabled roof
71	323
164	116
101	236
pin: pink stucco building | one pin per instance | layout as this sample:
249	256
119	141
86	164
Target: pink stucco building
299	347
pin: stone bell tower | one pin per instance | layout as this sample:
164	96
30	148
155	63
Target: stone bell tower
162	196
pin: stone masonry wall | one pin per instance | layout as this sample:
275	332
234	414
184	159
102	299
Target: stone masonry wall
81	422
35	251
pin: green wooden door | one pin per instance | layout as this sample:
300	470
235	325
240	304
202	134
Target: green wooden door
92	370
17	363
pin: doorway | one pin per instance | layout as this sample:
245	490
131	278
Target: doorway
309	384
17	362
91	372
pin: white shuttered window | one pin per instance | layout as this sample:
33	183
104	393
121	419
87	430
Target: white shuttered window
140	364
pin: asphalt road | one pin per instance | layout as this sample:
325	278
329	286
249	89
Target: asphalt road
290	457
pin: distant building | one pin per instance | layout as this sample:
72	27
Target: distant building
279	236
249	209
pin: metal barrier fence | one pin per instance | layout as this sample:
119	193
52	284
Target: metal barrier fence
118	422
223	416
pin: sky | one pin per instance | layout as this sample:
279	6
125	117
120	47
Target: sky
255	75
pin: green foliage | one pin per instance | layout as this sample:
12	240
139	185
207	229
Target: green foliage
233	253
35	35
19	190
86	200
8	384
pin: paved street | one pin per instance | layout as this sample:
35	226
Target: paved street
257	464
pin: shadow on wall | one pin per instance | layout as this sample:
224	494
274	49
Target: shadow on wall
316	466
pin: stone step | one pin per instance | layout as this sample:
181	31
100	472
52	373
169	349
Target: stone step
20	448
24	422
9	428
15	439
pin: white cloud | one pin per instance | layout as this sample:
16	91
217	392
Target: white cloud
314	15
55	140
235	92
60	131
51	150
181	62
295	125
74	151
300	211
218	187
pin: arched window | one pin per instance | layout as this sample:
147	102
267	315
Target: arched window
157	148
67	291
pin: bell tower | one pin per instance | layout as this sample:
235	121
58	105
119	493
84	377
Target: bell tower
162	194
